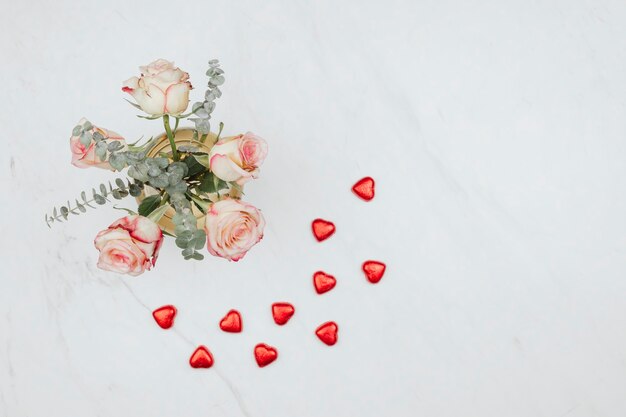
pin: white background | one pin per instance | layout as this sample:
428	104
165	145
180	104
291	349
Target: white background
496	131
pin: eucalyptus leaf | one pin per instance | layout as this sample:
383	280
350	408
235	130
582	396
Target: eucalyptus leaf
85	138
134	190
154	171
114	146
217	80
120	184
181	243
197	256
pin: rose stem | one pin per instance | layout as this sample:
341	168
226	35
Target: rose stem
170	136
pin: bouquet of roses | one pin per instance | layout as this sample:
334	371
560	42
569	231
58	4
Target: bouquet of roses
188	181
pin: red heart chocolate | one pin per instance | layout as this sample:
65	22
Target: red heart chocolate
327	332
282	312
374	270
264	354
323	282
231	322
322	229
164	316
364	188
201	358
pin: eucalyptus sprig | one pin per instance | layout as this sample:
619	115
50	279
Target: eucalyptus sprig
202	110
99	197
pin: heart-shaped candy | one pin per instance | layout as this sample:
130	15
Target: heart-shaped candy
327	332
164	316
364	188
282	312
323	282
264	354
322	229
374	270
201	358
231	322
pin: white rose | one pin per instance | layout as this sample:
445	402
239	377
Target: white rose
238	158
161	89
129	246
232	227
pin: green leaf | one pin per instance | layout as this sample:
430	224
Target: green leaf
149	204
156	214
137	106
194	164
77	130
207	183
148	117
202	204
132	213
103	190
64	212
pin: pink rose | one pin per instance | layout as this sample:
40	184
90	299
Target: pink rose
238	158
85	156
129	246
232	228
161	89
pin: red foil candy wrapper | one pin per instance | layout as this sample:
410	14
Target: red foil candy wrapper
264	354
374	270
164	316
364	188
282	312
322	229
231	322
327	332
201	358
323	282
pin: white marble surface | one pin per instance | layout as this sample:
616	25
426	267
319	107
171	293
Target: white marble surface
496	131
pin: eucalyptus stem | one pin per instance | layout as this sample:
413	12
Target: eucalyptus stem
217	139
170	136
